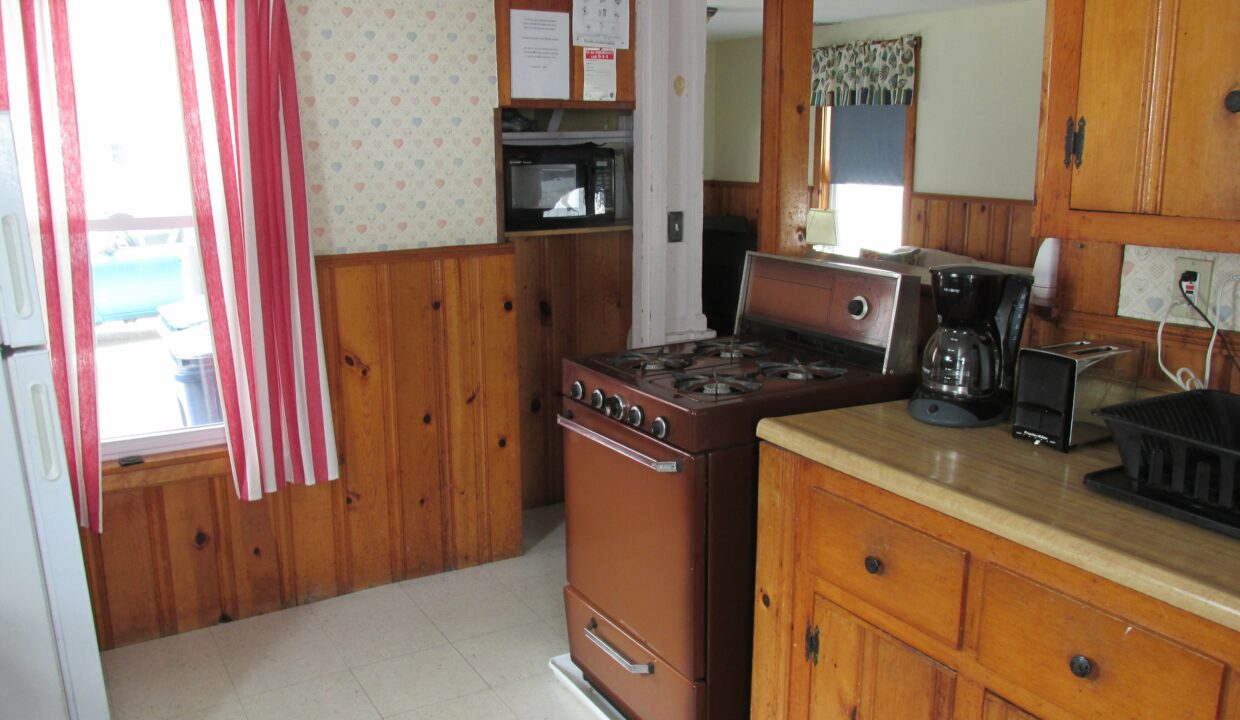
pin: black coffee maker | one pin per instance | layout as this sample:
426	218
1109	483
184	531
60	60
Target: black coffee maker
968	366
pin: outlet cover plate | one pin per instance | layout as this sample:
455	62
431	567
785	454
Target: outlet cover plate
1205	271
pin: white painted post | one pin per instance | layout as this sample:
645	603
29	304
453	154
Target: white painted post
668	156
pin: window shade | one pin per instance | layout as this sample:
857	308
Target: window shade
867	144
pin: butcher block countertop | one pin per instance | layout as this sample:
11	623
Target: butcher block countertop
1030	495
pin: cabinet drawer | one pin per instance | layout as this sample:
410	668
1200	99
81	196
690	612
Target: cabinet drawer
656	691
893	567
1047	641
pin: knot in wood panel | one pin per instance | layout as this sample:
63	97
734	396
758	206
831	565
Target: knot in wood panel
355	363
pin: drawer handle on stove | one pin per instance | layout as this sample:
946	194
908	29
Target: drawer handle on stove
614	654
659	466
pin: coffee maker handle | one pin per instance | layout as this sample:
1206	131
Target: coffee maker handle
1010	319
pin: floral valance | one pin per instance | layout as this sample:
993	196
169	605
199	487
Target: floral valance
880	72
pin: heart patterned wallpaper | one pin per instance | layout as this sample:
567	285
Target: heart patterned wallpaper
1147	285
397	112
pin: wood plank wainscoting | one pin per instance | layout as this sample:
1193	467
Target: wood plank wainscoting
574	297
723	197
421	349
990	229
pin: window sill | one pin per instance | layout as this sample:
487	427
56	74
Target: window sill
166	468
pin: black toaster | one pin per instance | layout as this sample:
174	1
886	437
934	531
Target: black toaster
1059	386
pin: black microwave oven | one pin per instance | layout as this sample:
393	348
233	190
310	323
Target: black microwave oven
559	186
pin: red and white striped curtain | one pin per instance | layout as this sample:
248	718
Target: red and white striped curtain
243	134
36	40
244	142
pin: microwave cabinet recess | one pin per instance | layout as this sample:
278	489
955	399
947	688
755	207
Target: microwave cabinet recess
859	621
1140	119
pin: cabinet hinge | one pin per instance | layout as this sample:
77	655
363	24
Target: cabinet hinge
811	643
1074	142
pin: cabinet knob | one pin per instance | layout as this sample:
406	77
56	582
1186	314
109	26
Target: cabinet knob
873	565
1232	101
1081	666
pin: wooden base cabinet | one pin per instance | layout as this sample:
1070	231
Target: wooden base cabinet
1140	123
871	607
860	672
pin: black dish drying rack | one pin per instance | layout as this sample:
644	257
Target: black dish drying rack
1181	456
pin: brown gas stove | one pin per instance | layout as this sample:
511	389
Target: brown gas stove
660	473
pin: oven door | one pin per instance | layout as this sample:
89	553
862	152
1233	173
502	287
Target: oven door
635	520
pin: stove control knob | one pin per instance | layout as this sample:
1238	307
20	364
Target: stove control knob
576	391
858	308
658	428
615	407
635	417
596	399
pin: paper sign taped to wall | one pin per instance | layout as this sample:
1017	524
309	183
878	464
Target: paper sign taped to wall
540	58
600	74
601	23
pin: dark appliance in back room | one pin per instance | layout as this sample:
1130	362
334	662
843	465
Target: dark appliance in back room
660	468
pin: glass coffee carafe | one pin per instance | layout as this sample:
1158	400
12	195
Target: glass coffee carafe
968	363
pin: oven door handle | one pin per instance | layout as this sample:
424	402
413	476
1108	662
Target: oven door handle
659	466
614	654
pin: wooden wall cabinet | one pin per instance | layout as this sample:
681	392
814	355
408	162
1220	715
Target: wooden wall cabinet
1138	142
869	606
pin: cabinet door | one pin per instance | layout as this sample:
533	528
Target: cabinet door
1203	136
1114	99
864	674
996	708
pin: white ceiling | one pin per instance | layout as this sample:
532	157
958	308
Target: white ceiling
743	18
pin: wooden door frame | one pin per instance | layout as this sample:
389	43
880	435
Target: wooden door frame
787	38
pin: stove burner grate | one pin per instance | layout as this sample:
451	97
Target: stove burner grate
731	349
716	385
651	361
803	372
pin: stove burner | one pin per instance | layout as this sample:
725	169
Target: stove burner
797	370
731	349
716	385
648	361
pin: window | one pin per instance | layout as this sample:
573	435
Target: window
861	173
154	356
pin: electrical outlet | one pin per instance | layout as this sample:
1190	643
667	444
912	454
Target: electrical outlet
1201	289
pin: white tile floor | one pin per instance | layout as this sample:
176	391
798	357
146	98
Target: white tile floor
466	645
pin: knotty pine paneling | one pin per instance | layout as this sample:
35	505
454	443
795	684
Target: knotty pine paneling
722	197
574	297
421	350
989	229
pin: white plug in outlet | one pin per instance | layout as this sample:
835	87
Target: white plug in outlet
1199	291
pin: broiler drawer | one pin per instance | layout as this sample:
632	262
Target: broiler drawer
1089	662
640	682
901	571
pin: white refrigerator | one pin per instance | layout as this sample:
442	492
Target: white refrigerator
49	657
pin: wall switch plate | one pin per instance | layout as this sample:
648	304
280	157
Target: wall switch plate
675	226
1205	270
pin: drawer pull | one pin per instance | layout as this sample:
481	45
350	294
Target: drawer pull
614	654
873	565
1081	666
